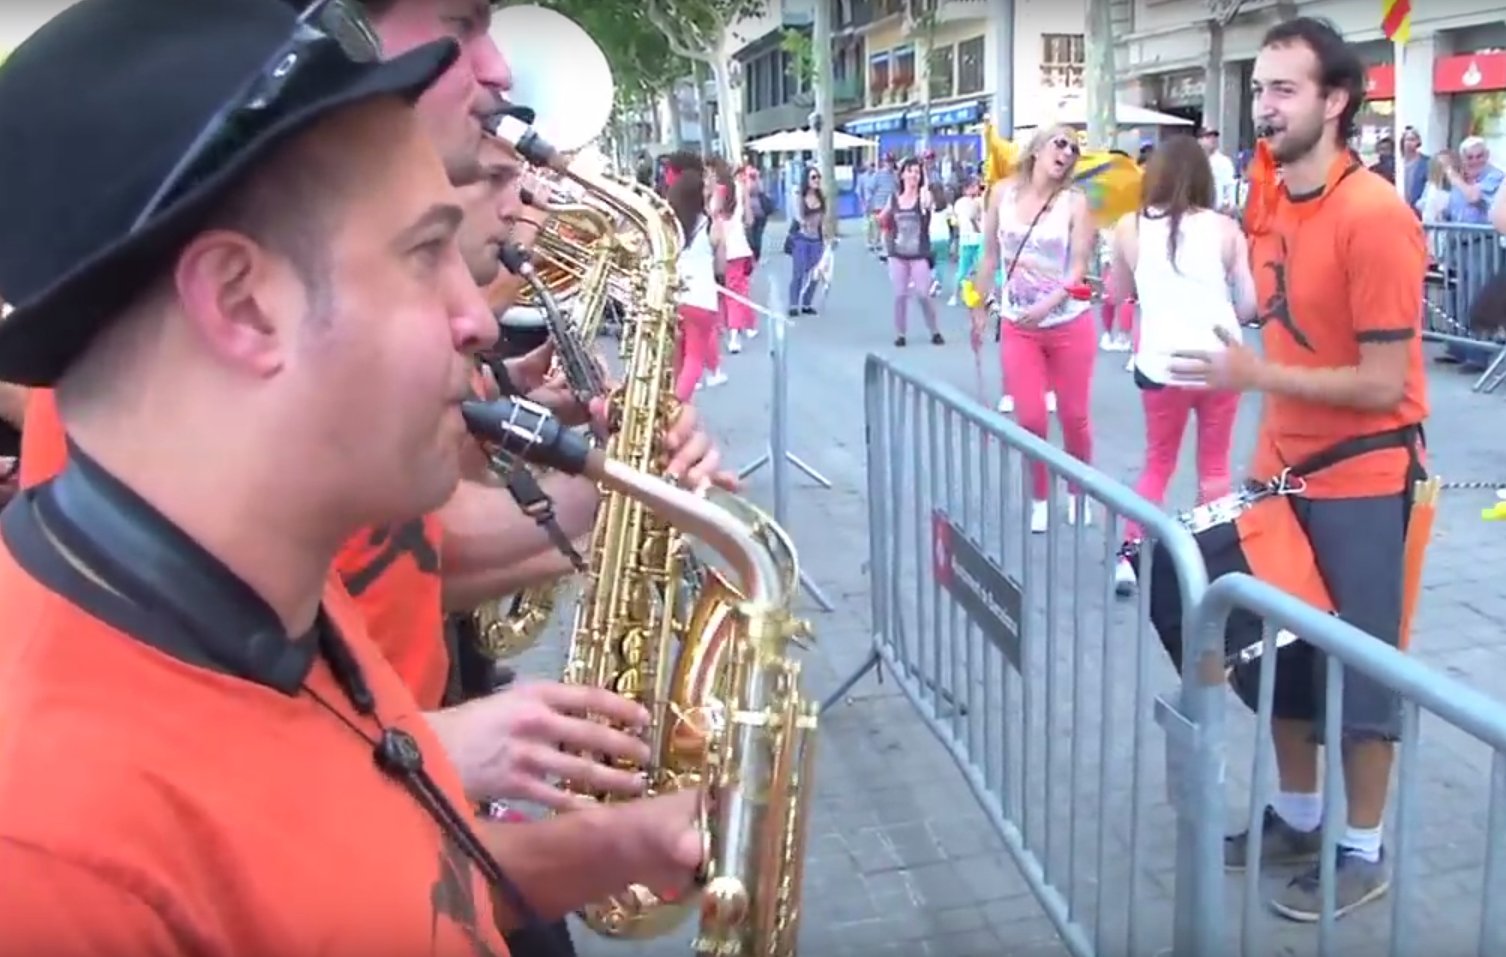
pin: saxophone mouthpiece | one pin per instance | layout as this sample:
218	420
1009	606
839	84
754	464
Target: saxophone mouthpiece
528	143
531	433
515	259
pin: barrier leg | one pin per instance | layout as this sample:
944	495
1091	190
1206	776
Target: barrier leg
1492	377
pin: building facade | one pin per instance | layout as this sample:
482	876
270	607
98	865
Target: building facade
1450	82
883	75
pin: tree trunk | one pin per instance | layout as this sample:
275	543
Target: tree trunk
1100	80
729	113
702	112
925	94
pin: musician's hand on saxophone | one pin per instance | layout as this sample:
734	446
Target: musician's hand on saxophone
694	459
516	744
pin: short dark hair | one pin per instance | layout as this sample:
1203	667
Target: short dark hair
1339	65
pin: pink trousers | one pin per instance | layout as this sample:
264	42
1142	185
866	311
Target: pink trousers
738	316
699	349
1166	413
1118	313
1055	359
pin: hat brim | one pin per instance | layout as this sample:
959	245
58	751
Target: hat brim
42	337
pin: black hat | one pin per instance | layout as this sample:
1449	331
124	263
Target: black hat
102	104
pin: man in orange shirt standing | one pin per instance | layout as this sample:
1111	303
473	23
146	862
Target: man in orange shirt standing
1346	397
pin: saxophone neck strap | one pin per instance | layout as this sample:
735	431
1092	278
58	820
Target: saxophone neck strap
537	505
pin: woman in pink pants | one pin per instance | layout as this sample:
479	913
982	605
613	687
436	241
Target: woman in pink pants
1040	229
698	359
1190	268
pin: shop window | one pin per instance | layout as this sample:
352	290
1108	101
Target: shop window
1482	115
970	66
878	78
902	73
1063	56
942	72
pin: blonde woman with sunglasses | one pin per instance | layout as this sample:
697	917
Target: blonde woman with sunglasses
1039	234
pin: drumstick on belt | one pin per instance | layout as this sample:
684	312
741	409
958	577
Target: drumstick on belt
1419	534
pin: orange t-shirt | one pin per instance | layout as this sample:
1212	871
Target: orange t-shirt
1332	273
393	573
151	806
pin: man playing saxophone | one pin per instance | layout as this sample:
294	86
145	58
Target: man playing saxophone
232	766
479	545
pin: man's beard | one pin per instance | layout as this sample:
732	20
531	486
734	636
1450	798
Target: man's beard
1294	143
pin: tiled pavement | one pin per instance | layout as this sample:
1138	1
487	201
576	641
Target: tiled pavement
902	859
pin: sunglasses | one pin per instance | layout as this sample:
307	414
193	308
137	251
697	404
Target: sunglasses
1062	143
323	24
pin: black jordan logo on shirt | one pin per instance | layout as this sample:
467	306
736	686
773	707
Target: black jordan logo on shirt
1279	305
395	542
453	898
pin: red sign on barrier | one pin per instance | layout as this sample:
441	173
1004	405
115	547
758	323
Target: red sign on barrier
941	548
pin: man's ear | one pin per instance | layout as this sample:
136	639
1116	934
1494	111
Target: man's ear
224	281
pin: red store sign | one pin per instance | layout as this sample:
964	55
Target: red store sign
1470	73
1380	82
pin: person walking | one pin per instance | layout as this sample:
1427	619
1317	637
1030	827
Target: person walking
907	239
1039	234
1189	267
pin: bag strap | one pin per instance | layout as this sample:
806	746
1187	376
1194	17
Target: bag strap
1406	436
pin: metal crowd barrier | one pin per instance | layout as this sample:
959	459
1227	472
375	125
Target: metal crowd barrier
1043	687
1464	258
1467	744
1014	651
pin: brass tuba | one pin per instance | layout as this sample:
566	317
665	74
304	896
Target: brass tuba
761	730
658	626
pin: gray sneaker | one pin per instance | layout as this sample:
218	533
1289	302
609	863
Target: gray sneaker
1357	883
1280	844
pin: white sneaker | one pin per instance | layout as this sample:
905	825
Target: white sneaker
1106	342
1123	342
751	333
1050	401
952	301
1040	517
734	344
1006	404
1125	581
715	379
1072	511
1129	364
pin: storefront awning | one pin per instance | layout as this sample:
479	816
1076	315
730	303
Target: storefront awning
954	114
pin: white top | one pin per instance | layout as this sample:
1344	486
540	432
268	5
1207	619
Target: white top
1181	307
697	266
1225	183
941	229
1044	256
735	233
969	212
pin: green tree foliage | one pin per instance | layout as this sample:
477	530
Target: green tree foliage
802	51
643	65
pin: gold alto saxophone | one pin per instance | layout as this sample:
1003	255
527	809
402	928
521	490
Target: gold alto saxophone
762	729
507	627
652	623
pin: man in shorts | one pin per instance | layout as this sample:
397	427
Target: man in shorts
1342	375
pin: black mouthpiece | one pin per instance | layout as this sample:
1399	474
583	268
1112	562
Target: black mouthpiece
1264	130
527	197
527	431
521	137
514	258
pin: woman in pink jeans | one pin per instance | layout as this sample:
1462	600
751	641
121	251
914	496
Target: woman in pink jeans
1040	230
1190	268
703	257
